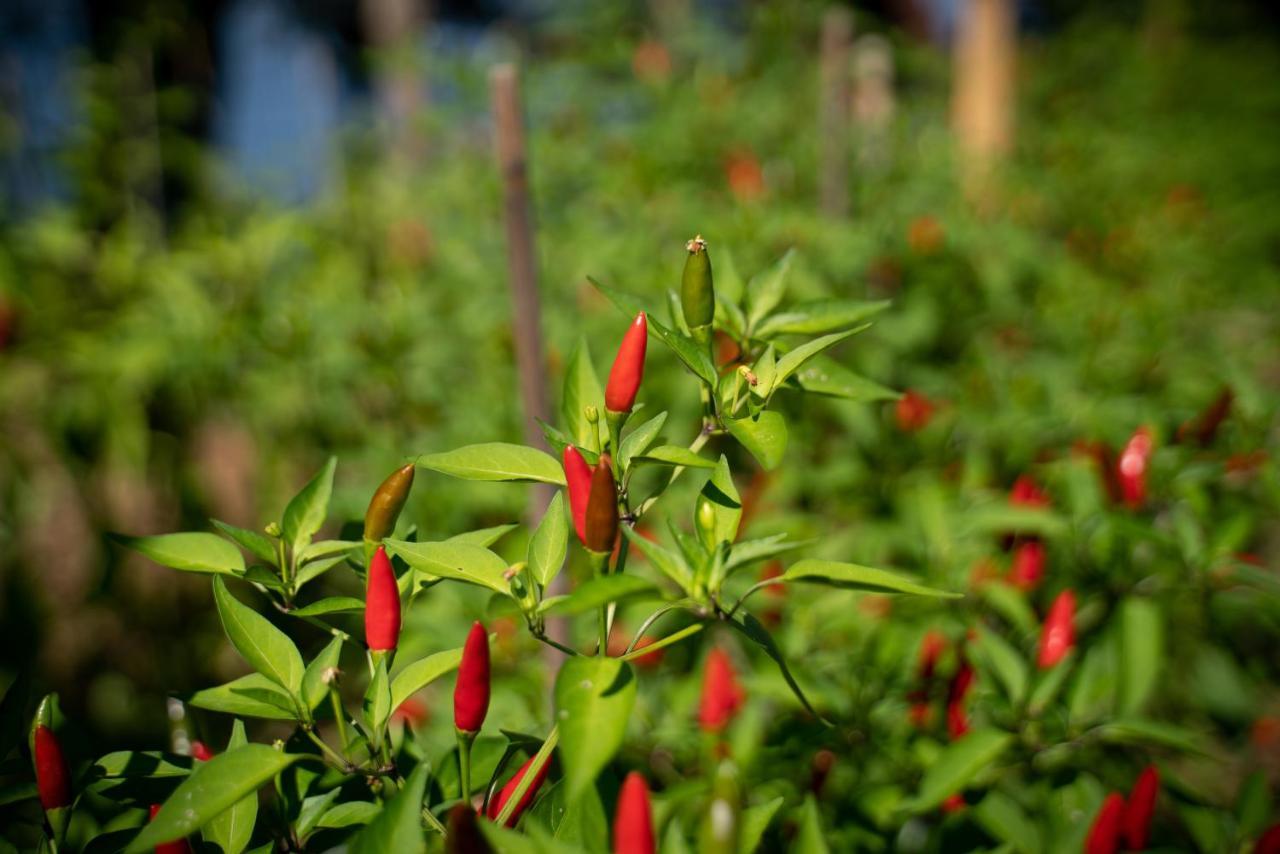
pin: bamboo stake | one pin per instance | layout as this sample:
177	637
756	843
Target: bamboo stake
983	94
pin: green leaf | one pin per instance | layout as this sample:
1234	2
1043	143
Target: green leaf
851	576
191	552
825	376
258	545
1141	645
399	826
694	356
316	568
1003	519
1002	817
305	513
313	809
1253	804
377	701
754	630
231	829
1142	731
750	551
1011	604
1000	658
793	360
149	763
267	649
422	673
483	537
957	766
213	787
326	548
496	461
766	290
764	436
675	455
1049	684
314	688
594	697
765	369
723	495
332	605
550	542
639	439
581	389
593	593
755	821
668	563
253	696
349	814
811	839
812	318
459	561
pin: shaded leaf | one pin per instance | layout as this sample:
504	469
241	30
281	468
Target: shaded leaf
594	697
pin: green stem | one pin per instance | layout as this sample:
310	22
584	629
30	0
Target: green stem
465	740
759	585
694	446
338	762
675	637
434	822
554	643
541	758
339	715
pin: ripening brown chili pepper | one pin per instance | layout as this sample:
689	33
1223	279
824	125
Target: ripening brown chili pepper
601	523
381	604
1139	808
53	780
697	290
471	691
387	502
577	475
496	805
633	819
1104	833
628	367
1058	636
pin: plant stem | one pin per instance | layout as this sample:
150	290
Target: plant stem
465	740
675	637
339	762
434	822
552	642
694	446
759	585
339	715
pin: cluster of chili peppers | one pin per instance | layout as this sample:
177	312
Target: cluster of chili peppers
1125	824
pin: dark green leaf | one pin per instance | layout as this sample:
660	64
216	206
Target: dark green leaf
314	686
755	631
958	765
231	829
398	827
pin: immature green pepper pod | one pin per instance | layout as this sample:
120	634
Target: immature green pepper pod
697	295
386	504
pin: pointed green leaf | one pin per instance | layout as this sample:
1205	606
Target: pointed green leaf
668	563
1000	658
314	686
957	766
748	552
459	561
231	829
213	787
349	814
258	545
550	542
1002	817
825	376
253	696
140	763
754	630
306	512
765	370
811	839
723	495
851	576
764	436
675	455
793	360
755	821
484	537
496	461
766	290
813	318
267	649
581	389
593	593
399	826
332	605
594	697
1141	649
422	673
377	701
639	439
190	552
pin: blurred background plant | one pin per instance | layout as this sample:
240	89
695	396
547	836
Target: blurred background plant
239	238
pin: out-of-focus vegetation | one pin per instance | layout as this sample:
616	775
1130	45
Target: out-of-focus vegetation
156	373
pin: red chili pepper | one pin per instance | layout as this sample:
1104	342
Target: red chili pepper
722	696
496	805
954	803
914	411
381	604
1027	567
1104	833
200	751
628	367
1269	841
1204	427
53	781
471	691
633	820
602	509
577	475
932	646
1140	807
178	846
1058	636
1131	469
1027	493
413	712
957	720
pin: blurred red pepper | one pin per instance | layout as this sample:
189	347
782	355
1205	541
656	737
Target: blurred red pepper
1204	427
1131	469
1027	568
957	716
1104	833
932	646
178	846
1027	493
628	367
577	475
53	781
471	691
633	819
1139	809
954	803
913	411
1058	636
496	805
381	604
722	696
200	751
413	712
1269	841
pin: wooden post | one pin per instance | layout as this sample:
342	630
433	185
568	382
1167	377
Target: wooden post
833	142
873	103
983	87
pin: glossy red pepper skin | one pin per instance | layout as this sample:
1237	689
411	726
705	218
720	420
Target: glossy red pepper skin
1058	636
1104	833
178	846
53	780
1139	809
471	692
602	509
722	696
628	367
633	819
1131	468
496	805
577	475
381	604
